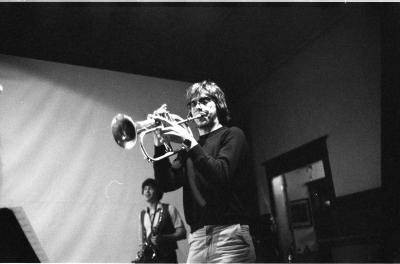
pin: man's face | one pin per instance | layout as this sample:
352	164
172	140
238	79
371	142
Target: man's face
149	193
202	104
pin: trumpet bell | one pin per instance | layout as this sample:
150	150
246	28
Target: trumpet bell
124	131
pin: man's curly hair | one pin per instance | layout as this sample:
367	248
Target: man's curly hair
212	90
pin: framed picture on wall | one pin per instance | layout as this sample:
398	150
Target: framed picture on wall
300	212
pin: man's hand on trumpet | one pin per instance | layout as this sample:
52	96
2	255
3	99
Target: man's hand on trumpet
160	112
178	134
172	131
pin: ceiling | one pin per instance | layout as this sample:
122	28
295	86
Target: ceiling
235	44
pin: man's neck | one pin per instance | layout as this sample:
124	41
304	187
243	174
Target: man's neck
152	205
206	130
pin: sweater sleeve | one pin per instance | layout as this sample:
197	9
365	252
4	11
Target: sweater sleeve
222	168
170	177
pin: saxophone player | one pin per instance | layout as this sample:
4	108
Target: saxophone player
161	226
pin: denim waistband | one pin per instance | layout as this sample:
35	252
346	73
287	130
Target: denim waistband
194	228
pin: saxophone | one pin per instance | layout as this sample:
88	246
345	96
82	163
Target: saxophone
149	252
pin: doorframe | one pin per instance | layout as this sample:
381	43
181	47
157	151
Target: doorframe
299	157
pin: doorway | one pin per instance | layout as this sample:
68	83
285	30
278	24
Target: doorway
301	194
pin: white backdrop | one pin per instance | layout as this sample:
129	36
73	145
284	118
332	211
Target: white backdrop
79	189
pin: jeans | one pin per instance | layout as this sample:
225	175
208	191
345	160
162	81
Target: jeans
221	244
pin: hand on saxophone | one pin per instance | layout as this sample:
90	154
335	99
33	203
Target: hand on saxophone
156	239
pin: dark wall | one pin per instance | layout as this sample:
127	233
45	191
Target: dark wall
330	88
390	15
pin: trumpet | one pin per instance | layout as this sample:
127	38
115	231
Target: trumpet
126	132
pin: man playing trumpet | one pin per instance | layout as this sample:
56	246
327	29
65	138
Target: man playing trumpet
218	187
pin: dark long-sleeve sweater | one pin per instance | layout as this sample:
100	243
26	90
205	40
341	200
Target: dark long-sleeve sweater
222	190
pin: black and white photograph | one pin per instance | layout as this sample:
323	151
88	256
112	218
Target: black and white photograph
199	132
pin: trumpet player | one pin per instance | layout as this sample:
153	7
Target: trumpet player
213	170
161	226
